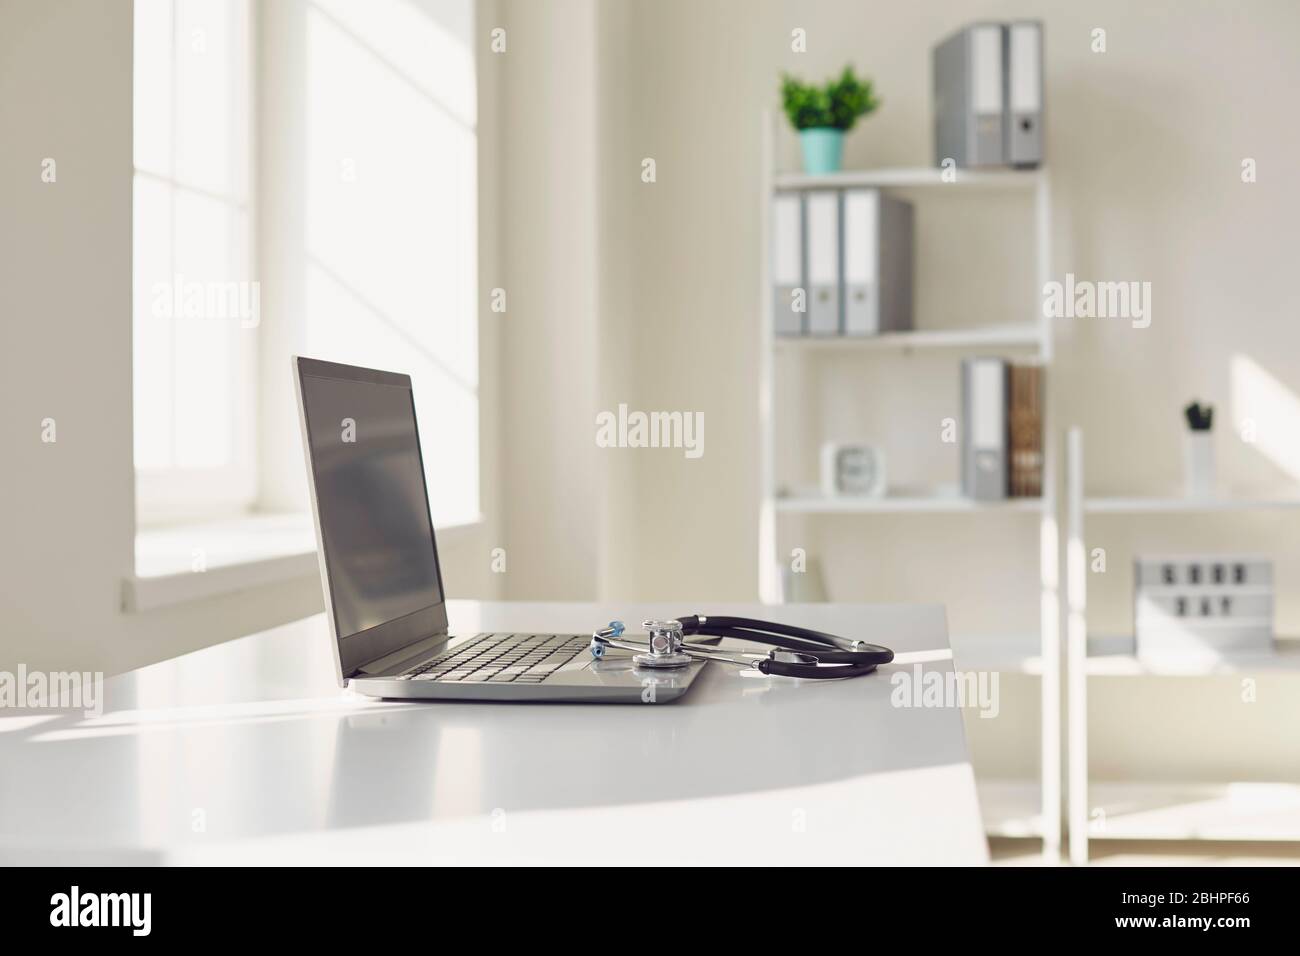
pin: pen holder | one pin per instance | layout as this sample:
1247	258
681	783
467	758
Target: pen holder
1198	463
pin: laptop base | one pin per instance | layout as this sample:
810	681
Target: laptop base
510	667
610	680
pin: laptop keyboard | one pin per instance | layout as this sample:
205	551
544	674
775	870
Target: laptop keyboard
503	658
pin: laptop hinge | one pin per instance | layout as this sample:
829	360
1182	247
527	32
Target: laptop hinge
390	662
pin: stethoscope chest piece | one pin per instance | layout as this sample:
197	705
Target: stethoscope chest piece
665	646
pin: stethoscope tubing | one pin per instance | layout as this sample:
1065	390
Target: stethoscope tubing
821	656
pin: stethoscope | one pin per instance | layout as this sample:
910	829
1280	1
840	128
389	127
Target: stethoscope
799	652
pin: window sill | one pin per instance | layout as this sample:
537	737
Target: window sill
179	564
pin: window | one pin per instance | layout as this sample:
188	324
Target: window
196	309
390	258
368	194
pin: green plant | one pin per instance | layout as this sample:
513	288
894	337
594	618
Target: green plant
838	104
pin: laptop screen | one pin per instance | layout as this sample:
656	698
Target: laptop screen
371	502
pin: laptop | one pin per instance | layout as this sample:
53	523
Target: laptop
379	567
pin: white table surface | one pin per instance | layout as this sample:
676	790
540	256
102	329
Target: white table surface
248	752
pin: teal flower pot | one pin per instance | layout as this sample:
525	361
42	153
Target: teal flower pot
823	149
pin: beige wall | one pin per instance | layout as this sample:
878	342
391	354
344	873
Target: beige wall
550	177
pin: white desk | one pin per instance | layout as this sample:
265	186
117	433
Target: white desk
249	753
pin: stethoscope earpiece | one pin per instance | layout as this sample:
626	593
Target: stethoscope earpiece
604	638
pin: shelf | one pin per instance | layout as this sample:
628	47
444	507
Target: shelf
1005	653
1114	657
1010	808
909	177
1214	811
907	501
1025	335
1180	505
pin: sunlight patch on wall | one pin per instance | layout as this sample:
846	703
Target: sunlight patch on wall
1266	414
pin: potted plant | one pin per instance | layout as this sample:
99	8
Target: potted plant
823	114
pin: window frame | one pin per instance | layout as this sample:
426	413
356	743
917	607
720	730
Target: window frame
175	494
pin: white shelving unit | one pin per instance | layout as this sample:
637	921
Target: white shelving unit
1025	336
1256	812
1261	812
921	501
1185	505
1005	653
1021	808
914	176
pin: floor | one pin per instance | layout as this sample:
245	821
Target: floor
1156	853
